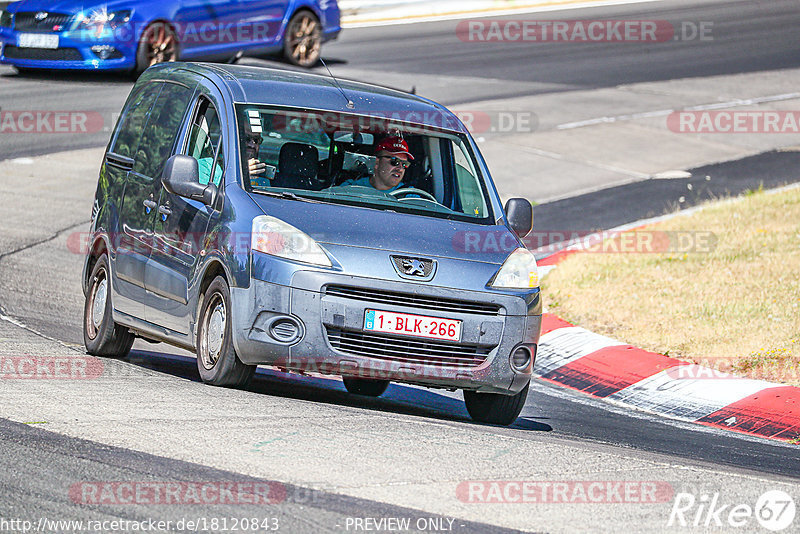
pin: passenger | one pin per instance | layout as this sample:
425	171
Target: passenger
392	158
254	166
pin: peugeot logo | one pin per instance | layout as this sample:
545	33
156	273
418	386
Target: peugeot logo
418	269
40	16
413	267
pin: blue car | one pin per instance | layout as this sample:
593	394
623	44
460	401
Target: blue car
265	217
134	34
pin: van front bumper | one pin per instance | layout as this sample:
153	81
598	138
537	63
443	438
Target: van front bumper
315	325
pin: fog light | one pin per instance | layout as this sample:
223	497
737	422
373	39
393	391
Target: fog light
520	358
106	52
285	330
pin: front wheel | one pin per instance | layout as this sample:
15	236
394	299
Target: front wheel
158	44
365	386
494	408
101	335
303	39
217	361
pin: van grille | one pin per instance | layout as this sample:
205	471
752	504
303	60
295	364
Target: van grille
394	298
405	350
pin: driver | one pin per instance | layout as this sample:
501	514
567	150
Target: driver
392	158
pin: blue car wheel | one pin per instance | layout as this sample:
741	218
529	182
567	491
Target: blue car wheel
158	44
303	39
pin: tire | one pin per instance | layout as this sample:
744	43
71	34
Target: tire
494	408
303	39
217	361
365	386
101	335
158	44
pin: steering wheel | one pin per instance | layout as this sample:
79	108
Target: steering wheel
405	191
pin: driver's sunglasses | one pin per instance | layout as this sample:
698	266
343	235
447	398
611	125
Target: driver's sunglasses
253	140
395	161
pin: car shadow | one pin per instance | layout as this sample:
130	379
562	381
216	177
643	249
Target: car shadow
123	77
399	398
71	76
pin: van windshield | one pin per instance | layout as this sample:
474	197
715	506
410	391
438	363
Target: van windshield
371	162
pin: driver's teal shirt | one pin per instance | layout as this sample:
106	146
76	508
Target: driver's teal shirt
364	181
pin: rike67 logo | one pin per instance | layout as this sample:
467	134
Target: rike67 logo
774	510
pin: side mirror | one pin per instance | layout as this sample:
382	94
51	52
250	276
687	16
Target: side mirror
181	177
519	214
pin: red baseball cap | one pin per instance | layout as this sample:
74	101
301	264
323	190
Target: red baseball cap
394	145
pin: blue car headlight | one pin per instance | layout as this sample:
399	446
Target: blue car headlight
99	22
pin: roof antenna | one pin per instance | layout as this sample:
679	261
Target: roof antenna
350	104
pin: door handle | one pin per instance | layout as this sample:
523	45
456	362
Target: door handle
149	205
165	211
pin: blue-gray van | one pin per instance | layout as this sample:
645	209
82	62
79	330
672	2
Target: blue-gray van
314	225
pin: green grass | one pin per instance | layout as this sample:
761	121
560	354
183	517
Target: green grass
733	305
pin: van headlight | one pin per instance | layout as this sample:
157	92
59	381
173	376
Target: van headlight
274	237
518	271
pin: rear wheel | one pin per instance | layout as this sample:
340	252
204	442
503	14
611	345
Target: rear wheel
303	39
365	386
494	408
158	44
101	335
217	361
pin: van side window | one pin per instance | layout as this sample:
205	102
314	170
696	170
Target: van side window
205	139
133	121
159	136
469	189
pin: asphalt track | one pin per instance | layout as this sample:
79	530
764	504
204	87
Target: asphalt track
748	36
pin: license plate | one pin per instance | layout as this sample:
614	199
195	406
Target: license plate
37	40
412	325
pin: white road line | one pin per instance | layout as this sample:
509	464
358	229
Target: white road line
20	324
665	112
352	21
554	155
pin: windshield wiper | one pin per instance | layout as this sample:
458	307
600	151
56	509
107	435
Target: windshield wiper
289	195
